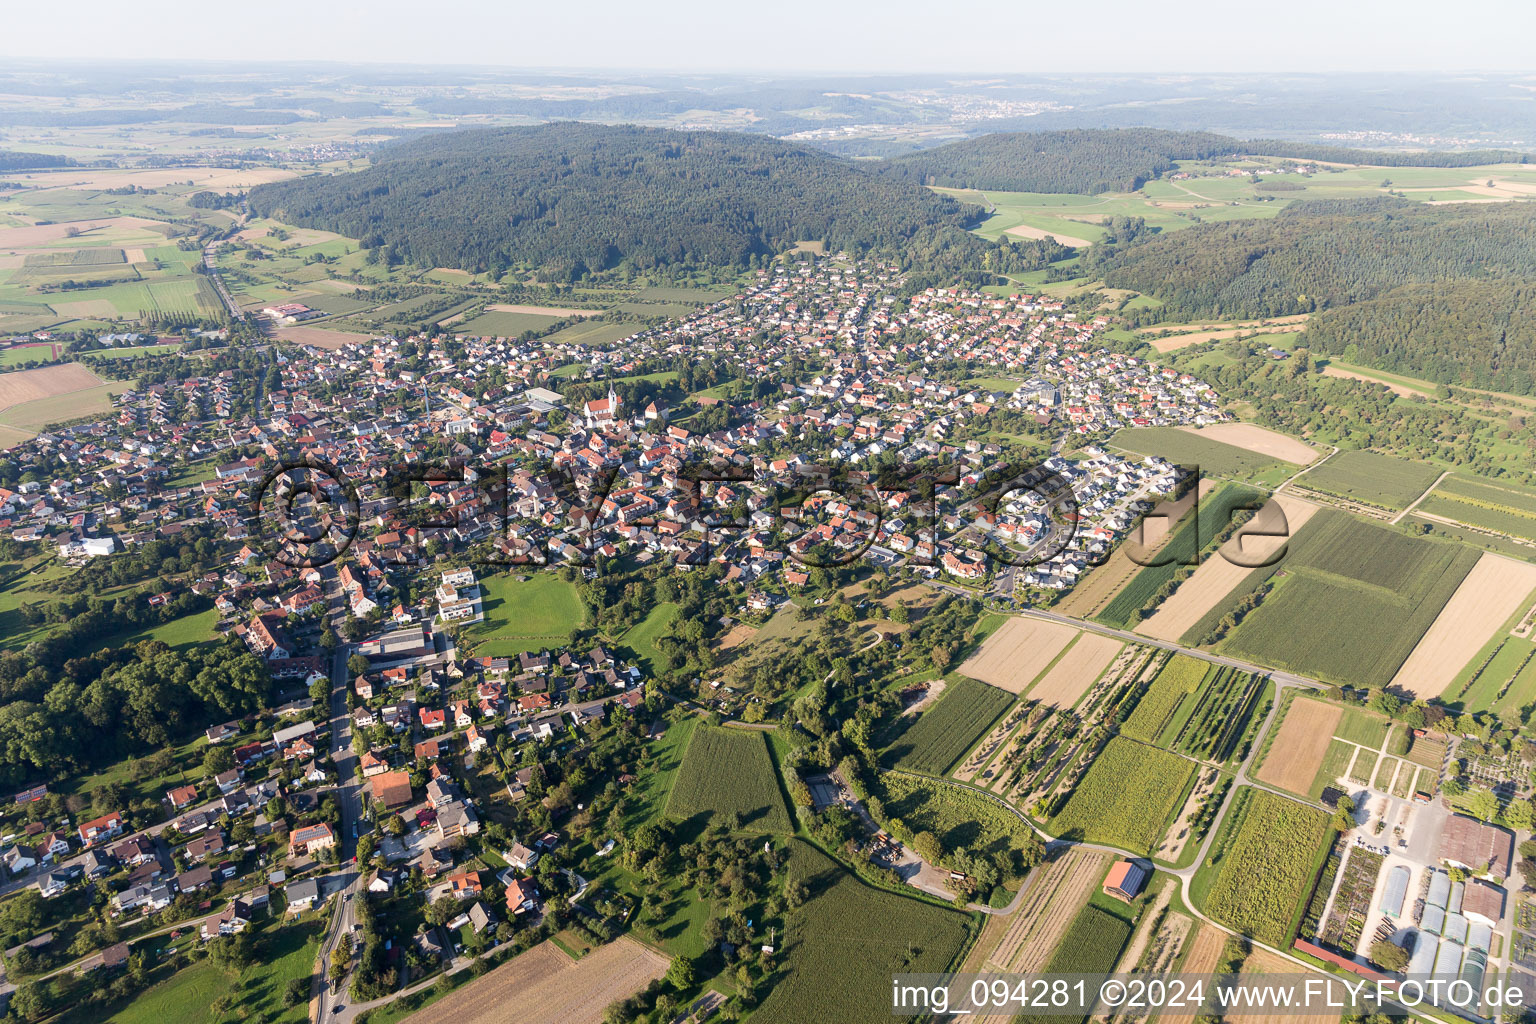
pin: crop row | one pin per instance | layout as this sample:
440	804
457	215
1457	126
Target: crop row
1177	680
728	772
1125	798
942	734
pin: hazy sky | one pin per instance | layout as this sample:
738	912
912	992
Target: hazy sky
801	35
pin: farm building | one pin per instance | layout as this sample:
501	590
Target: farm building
1468	843
1395	891
1483	902
1125	880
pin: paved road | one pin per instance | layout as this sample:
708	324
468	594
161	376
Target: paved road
352	799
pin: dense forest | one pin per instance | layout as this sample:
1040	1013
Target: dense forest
15	160
1085	162
1479	334
1317	255
1090	161
568	199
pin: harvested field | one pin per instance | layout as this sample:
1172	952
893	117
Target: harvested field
1204	953
102	308
1019	651
1056	893
318	337
1298	748
1025	231
544	986
1217	576
1494	590
1397	389
42	234
1070	677
502	307
1258	439
46	382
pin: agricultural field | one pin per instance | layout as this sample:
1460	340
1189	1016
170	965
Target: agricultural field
1126	797
508	325
1489	505
530	613
729	771
1057	894
1187	544
841	946
1264	865
1366	728
591	332
960	818
1212	456
1177	680
1182	617
1298	744
1211	725
942	734
1494	590
1371	479
1092	944
1064	684
1018	652
545	986
1344	580
1501	679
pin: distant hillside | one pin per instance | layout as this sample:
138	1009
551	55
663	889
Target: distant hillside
568	198
1317	255
1090	161
14	160
1085	162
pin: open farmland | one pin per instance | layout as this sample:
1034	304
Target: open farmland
728	771
1258	440
545	986
1058	890
1066	682
1012	657
1218	716
842	944
1220	574
44	382
942	734
1213	456
1266	866
1494	590
1194	535
1126	797
1371	478
1484	504
1298	746
1174	684
1354	600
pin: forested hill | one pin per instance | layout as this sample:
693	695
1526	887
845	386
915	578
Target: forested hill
15	160
1085	162
1479	334
1317	255
1091	161
567	198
